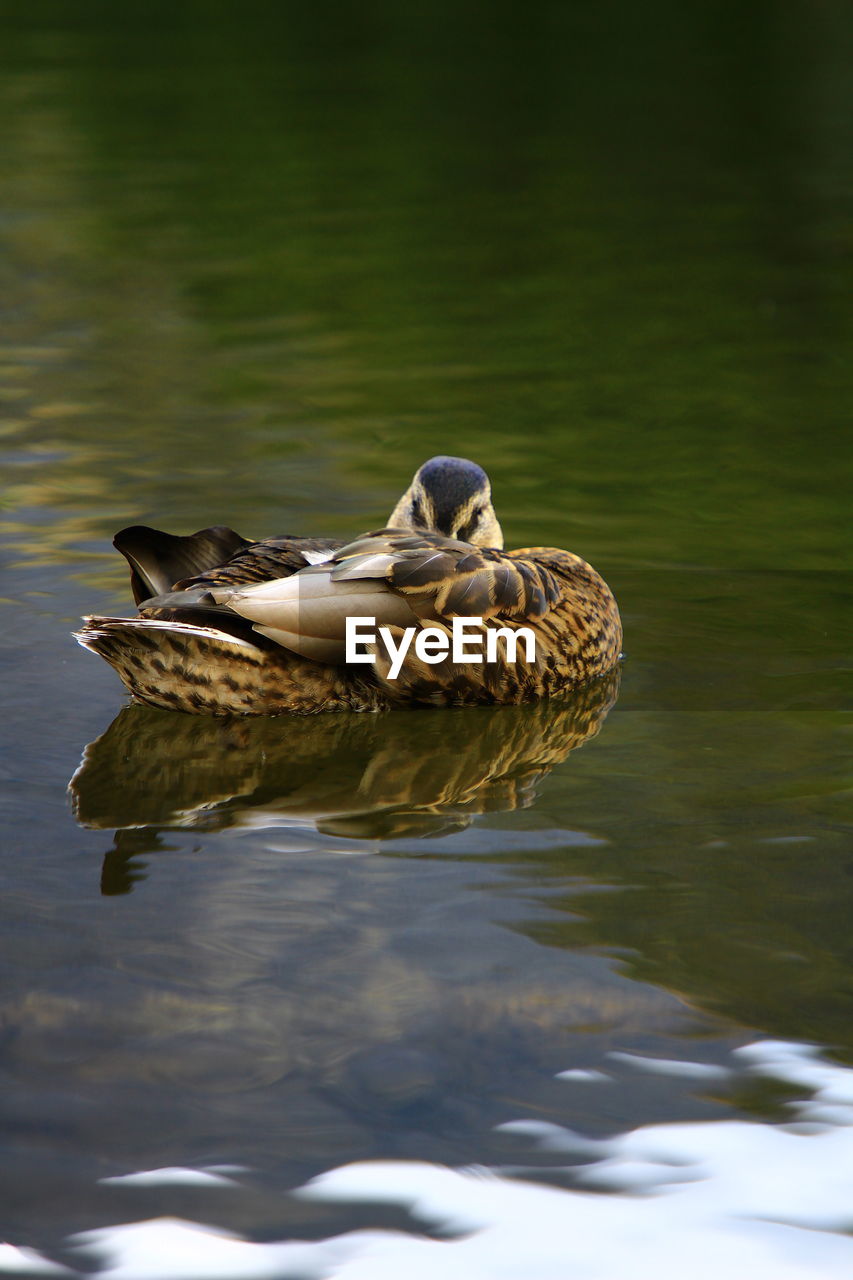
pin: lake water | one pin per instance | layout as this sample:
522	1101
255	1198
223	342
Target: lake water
255	269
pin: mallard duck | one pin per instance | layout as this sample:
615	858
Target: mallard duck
290	624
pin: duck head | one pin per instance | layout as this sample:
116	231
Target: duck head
452	496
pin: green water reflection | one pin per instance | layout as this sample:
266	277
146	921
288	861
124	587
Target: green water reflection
250	259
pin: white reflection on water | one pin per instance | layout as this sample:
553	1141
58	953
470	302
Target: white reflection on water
26	1262
215	1176
736	1197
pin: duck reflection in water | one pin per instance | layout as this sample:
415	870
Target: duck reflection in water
359	777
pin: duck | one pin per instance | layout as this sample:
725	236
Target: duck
428	611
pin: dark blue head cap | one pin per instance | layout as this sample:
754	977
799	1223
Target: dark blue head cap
451	483
452	496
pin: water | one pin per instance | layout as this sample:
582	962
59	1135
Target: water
255	271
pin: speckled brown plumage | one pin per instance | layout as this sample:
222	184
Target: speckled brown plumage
210	673
558	596
195	645
260	561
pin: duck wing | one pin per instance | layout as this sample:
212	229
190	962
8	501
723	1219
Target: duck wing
442	579
165	562
262	561
396	578
171	575
158	560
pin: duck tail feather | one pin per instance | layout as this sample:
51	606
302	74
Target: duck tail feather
158	560
177	665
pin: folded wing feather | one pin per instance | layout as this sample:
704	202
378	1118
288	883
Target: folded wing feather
397	578
307	612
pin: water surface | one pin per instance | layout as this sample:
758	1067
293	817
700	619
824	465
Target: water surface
254	272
